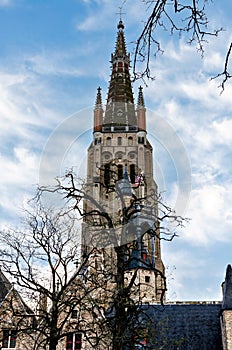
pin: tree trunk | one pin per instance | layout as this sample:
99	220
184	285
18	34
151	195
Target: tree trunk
120	302
53	338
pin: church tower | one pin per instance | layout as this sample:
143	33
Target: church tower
121	194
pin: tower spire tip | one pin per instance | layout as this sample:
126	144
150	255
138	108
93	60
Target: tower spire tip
120	23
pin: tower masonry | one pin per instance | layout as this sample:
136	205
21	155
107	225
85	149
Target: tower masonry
120	183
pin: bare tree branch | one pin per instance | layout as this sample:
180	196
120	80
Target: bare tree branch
172	16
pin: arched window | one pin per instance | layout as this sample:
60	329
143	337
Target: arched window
141	139
130	141
108	141
119	141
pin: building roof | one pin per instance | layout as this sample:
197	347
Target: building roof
7	291
194	326
5	286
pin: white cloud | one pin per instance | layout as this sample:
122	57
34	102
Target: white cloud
184	96
54	63
103	12
98	17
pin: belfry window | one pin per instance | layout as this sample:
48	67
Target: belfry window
120	172
132	173
107	174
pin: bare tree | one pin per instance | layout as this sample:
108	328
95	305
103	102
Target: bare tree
184	18
42	261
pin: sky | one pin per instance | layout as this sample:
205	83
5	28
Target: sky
54	55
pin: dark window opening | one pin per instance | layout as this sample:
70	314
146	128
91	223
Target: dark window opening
73	341
132	173
120	172
141	140
119	128
97	141
107	175
9	339
108	141
74	314
147	279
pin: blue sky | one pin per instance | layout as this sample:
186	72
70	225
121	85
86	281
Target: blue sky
54	55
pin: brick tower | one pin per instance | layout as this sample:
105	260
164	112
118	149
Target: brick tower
120	184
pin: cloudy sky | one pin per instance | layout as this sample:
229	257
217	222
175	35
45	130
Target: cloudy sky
54	55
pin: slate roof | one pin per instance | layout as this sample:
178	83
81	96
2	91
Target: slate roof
194	326
5	286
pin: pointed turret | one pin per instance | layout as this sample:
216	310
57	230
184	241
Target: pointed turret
120	102
141	111
98	104
98	112
141	103
227	290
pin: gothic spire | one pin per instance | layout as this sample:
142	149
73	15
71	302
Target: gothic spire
141	98
120	100
98	112
98	104
120	48
141	111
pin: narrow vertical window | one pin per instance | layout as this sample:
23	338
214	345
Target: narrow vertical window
130	141
141	140
107	175
9	339
132	173
144	256
119	141
147	279
73	341
108	141
120	172
74	314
